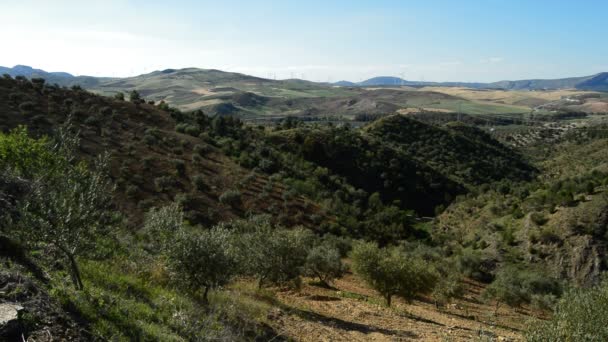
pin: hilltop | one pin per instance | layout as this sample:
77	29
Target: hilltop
263	100
593	83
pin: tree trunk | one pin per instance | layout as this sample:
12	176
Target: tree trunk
76	279
206	296
388	300
496	308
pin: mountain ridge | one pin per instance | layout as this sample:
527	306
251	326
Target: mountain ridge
597	82
581	83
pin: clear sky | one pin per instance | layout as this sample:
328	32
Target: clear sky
431	40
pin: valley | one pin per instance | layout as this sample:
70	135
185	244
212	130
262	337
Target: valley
494	201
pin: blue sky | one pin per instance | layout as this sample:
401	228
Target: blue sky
432	40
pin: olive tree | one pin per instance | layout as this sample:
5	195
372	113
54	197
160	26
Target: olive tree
69	212
161	224
391	272
324	262
272	255
202	260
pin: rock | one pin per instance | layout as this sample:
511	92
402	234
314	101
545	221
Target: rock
9	320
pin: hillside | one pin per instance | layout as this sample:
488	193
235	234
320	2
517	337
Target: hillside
557	222
152	163
591	83
219	92
465	154
294	222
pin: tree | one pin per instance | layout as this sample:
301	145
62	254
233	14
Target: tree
69	212
390	272
270	254
162	223
67	205
119	96
204	259
134	96
323	262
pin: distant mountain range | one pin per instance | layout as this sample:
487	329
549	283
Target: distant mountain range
597	82
61	78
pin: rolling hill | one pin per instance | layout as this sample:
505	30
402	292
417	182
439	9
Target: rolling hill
595	82
257	99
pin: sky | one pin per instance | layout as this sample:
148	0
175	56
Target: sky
329	40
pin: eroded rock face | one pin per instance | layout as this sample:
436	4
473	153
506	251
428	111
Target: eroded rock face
9	320
45	319
581	252
582	260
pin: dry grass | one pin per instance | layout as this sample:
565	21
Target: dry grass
353	312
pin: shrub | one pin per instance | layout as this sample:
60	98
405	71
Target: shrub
324	262
231	198
24	155
192	130
201	150
580	315
342	244
162	223
538	218
448	286
471	263
119	96
514	287
180	167
390	272
163	183
26	106
134	96
199	182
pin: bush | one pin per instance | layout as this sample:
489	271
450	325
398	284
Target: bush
201	150
342	244
163	183
192	130
471	263
180	167
231	198
580	315
162	223
448	286
199	182
390	272
26	106
514	287
324	262
134	96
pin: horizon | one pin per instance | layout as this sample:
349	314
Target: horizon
296	78
320	42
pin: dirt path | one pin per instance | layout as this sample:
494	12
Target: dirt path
352	312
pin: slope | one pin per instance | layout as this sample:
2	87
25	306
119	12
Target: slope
152	164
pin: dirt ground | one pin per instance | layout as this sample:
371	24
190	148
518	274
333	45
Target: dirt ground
352	312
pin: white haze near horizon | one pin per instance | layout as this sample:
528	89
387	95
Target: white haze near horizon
125	38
